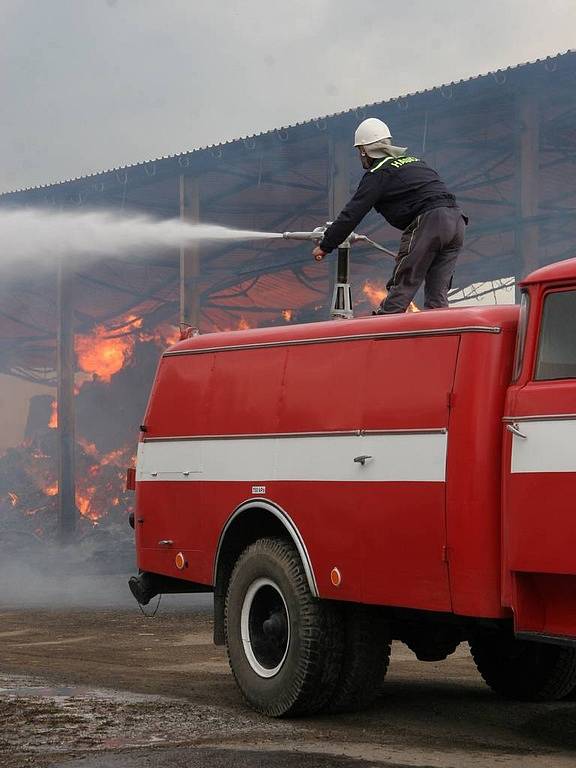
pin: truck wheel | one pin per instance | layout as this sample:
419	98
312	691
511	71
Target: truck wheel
571	695
366	655
525	670
284	646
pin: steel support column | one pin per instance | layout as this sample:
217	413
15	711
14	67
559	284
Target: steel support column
67	512
339	173
528	159
189	195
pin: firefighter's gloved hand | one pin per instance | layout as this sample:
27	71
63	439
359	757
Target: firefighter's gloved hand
318	253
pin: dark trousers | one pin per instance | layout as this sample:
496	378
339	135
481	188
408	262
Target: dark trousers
427	254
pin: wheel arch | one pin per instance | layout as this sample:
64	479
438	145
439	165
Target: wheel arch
252	520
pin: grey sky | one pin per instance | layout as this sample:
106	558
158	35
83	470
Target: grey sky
91	84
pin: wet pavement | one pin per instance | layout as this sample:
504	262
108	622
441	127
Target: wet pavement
103	688
222	758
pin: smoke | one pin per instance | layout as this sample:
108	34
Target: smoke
72	577
42	236
92	572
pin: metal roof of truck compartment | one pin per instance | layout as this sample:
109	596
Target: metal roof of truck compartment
559	271
431	323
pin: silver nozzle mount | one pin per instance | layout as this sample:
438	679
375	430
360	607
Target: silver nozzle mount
341	307
317	234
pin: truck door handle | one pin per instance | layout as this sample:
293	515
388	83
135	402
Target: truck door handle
516	431
361	459
165	543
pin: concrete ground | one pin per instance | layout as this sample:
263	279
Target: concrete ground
108	688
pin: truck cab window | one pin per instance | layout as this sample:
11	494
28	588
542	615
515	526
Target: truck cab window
557	343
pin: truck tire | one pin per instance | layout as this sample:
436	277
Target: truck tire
284	646
571	695
367	644
524	670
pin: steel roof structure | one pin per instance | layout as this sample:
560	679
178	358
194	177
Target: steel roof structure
505	142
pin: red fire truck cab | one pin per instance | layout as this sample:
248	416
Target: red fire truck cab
338	485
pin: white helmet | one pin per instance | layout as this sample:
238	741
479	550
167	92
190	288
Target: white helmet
371	130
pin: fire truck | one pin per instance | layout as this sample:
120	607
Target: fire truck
343	484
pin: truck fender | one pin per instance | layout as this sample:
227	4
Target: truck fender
280	523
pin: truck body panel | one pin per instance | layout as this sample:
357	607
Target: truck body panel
473	480
282	414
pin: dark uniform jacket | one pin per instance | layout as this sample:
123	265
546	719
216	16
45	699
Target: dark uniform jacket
399	188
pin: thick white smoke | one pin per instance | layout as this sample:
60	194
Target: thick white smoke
42	236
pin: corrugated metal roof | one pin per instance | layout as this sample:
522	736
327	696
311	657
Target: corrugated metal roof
499	76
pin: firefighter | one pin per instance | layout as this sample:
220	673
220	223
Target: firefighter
411	197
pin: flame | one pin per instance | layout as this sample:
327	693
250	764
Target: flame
243	324
103	353
51	490
84	503
99	485
114	457
88	447
100	481
166	335
287	315
53	423
376	293
97	490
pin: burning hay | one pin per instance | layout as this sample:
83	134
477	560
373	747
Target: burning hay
115	370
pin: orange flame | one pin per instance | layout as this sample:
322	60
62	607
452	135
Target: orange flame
88	447
13	498
103	353
166	335
243	324
112	458
376	293
51	490
287	315
97	488
84	503
53	423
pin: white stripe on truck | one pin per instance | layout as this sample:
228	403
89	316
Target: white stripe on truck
549	446
400	457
